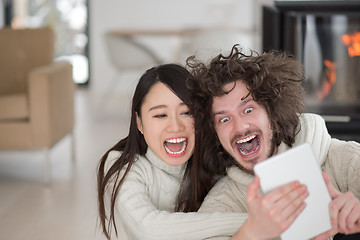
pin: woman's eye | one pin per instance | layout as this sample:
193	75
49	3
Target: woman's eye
160	116
248	110
186	113
224	120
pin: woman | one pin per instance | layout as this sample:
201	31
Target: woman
141	175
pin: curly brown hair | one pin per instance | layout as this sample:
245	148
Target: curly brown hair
273	80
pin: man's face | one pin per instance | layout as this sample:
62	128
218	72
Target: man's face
243	126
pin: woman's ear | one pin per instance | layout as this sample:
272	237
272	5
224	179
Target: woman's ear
139	123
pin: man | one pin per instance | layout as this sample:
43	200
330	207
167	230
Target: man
248	108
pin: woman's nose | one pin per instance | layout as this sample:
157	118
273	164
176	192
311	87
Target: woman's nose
175	125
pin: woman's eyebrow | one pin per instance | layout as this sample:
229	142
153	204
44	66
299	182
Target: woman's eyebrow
164	106
157	107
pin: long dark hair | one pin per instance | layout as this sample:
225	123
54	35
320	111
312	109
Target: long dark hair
172	75
273	80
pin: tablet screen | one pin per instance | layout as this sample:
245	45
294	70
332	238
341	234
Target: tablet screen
299	163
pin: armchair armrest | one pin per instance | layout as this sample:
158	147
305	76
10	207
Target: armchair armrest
51	102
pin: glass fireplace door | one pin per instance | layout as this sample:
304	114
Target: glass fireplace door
329	47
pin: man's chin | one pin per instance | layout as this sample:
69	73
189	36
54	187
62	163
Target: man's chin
249	170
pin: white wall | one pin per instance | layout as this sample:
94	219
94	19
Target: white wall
242	16
2	14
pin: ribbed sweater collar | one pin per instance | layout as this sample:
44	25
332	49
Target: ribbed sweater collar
157	162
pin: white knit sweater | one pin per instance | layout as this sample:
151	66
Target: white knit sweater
147	199
340	159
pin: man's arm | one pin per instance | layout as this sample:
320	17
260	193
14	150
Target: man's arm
343	168
273	213
344	212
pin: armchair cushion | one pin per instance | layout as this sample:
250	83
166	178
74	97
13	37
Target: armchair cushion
13	107
22	50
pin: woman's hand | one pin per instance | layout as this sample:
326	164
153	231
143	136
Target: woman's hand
271	214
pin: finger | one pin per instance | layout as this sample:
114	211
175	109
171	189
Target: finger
291	218
340	209
292	201
278	193
353	220
326	235
346	206
334	211
253	189
332	190
342	220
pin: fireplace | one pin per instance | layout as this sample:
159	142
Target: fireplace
325	37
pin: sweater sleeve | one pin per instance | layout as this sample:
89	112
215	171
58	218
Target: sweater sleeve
226	196
142	220
343	166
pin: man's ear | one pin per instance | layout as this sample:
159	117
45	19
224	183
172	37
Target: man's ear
139	123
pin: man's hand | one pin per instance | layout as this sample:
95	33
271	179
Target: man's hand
344	212
273	213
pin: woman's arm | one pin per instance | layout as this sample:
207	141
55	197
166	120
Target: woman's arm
143	220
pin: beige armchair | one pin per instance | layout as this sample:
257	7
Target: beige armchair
36	93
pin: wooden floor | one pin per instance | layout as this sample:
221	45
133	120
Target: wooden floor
67	208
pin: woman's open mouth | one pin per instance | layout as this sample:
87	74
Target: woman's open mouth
176	147
249	145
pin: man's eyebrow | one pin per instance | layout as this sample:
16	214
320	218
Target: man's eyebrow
218	113
247	99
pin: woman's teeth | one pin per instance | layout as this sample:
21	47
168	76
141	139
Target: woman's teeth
176	141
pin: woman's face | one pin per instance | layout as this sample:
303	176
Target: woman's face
166	125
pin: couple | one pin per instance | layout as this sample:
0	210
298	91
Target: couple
183	141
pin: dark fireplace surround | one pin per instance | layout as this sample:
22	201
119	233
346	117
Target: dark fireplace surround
325	37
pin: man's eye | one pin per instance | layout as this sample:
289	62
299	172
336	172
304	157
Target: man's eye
248	110
224	120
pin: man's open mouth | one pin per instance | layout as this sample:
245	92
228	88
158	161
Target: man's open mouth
176	146
248	145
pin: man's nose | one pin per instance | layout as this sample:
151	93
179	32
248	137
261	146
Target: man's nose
240	125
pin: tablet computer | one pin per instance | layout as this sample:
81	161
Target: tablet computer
299	163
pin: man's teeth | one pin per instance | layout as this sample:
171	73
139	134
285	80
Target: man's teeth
245	153
176	140
246	139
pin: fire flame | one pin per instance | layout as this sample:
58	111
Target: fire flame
330	73
352	41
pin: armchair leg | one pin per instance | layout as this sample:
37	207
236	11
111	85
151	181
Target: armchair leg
73	145
47	167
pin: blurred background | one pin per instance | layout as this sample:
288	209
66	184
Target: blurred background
110	44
